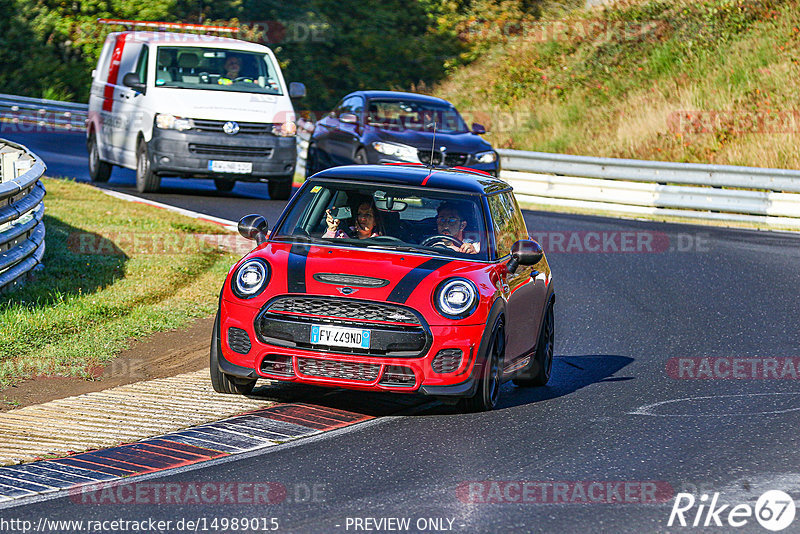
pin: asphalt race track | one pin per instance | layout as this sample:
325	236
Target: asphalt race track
625	417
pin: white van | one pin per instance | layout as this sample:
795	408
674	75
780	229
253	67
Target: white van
171	104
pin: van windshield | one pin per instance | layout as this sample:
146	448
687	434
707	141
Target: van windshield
192	67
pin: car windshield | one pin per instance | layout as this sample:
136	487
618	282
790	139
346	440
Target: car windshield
414	115
218	69
387	217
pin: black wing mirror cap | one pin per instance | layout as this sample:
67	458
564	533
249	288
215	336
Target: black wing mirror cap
132	80
478	129
254	227
525	252
349	118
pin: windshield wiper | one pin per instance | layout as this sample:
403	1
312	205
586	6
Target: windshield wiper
403	248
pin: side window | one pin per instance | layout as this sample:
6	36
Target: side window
354	104
507	222
141	65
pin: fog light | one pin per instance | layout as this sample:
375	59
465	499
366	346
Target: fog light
277	364
164	160
397	375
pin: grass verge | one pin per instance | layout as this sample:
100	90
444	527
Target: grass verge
114	271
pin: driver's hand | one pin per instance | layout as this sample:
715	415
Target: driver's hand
467	248
333	224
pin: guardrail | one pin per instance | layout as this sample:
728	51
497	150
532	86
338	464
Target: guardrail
711	192
21	214
43	112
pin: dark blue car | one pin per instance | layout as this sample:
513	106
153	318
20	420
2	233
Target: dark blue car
392	127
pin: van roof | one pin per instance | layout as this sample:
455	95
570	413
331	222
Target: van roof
190	39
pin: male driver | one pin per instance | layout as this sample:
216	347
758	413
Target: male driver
451	221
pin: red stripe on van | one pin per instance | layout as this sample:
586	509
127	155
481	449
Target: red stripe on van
113	71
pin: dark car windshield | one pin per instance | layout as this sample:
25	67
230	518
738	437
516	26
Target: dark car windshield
414	115
387	217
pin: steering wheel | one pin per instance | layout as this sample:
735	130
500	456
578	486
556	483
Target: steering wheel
244	79
438	240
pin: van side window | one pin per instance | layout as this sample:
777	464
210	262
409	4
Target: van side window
141	65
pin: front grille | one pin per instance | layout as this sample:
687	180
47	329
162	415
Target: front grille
450	159
245	128
447	360
238	340
395	330
361	372
224	150
277	364
397	375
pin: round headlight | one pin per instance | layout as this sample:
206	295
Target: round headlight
250	279
456	298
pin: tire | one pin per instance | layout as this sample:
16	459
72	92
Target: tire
280	188
538	374
485	399
361	157
99	170
312	161
146	180
224	186
221	382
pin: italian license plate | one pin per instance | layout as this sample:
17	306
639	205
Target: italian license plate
338	336
232	167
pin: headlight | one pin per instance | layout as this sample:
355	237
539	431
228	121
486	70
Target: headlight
456	298
165	121
250	279
486	157
287	129
403	152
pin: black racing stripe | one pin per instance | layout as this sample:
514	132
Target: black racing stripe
296	268
412	279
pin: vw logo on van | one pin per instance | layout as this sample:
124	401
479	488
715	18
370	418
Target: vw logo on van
231	128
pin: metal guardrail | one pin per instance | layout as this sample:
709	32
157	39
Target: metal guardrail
21	213
43	112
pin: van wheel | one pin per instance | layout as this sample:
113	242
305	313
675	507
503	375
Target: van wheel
146	180
224	186
280	188
99	170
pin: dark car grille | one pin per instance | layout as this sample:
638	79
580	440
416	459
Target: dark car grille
361	372
224	150
395	330
245	128
238	340
450	159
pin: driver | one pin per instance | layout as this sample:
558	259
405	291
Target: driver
451	221
232	68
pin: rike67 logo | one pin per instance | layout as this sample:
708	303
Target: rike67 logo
774	510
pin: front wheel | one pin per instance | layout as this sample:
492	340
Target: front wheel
542	364
280	188
485	399
221	382
99	170
146	180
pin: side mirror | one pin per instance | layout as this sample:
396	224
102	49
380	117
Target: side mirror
254	227
478	129
132	80
524	252
349	118
297	90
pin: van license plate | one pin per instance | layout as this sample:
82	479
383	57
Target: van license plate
231	167
340	337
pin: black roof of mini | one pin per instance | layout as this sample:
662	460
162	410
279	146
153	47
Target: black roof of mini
417	175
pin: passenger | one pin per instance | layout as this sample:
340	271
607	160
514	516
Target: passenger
367	222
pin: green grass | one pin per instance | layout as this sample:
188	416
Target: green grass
83	308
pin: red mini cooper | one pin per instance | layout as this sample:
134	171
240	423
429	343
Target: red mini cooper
390	278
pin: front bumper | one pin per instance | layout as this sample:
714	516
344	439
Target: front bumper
188	154
308	366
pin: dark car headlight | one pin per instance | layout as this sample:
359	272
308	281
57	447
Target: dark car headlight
489	156
403	152
250	278
456	298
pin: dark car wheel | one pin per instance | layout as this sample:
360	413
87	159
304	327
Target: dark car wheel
312	161
280	188
361	157
224	186
99	170
538	374
485	399
221	382
146	180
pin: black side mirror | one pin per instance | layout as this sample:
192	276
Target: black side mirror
254	227
349	118
132	80
524	252
297	90
478	129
